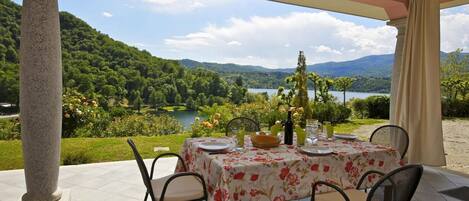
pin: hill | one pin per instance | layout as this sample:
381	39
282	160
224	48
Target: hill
368	66
109	70
224	68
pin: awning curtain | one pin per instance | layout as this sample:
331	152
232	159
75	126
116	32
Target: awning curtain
418	103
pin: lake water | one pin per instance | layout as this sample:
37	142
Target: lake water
187	117
338	94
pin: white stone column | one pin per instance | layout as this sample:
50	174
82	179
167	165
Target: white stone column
401	25
41	98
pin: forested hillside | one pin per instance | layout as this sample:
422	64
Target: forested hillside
109	70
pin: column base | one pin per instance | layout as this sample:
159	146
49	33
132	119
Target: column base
56	196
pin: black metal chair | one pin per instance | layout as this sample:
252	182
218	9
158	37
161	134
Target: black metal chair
398	185
177	187
392	135
238	123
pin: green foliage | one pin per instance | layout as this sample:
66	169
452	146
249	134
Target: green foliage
314	77
108	70
360	107
455	76
378	107
301	99
10	129
76	158
78	111
330	111
205	128
455	108
146	125
343	84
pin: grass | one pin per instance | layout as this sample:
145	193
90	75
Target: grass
93	150
174	108
350	126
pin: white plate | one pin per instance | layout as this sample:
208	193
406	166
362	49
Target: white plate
345	136
316	150
214	146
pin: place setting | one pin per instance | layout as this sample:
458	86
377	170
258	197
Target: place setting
216	147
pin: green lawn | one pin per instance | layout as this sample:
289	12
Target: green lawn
95	149
116	149
350	126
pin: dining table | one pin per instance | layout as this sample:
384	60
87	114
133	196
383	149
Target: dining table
284	172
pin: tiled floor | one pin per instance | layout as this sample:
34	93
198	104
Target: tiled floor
119	181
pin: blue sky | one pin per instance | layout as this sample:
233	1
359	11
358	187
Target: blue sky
257	32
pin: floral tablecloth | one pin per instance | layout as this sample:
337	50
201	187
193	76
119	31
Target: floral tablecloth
284	173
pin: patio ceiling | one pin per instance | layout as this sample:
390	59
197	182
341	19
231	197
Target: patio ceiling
376	9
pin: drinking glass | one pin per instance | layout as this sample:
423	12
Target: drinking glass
240	138
300	137
329	129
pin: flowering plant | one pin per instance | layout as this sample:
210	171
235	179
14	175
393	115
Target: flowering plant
205	127
78	111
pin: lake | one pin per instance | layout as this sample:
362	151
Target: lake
187	117
338	94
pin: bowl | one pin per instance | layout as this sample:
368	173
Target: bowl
265	141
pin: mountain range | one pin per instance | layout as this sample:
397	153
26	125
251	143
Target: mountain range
368	66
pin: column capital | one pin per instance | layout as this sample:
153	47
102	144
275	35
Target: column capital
398	23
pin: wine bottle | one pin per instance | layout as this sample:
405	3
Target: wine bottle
288	138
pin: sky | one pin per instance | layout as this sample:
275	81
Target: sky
250	32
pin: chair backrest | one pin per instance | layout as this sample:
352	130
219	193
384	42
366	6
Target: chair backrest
400	183
391	135
142	167
241	123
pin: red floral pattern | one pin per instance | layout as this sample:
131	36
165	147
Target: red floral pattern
283	173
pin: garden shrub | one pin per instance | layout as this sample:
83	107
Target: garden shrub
119	111
330	111
146	125
76	158
206	127
359	107
10	129
378	107
455	108
226	111
78	111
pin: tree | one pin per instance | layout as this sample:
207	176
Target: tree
315	78
324	85
178	99
190	104
343	83
237	94
239	81
301	84
136	100
156	99
455	75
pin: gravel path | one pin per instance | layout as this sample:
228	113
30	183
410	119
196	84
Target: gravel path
456	141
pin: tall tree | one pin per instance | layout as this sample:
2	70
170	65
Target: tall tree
157	99
300	80
343	84
315	78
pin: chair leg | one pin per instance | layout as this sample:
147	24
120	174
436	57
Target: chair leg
146	196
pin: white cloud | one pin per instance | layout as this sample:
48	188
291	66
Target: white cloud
234	43
455	30
274	41
107	14
180	6
325	49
